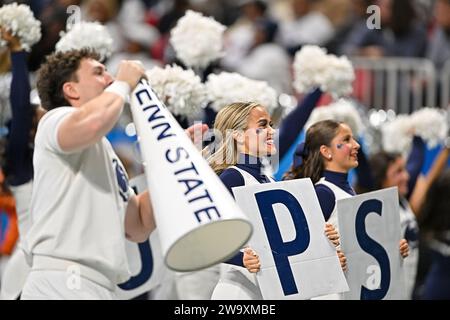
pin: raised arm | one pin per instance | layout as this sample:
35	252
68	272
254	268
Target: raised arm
19	155
423	183
415	163
91	121
293	123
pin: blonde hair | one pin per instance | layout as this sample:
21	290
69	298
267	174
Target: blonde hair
231	118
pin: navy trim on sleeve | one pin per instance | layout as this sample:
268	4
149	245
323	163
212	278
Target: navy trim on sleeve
327	200
415	162
19	153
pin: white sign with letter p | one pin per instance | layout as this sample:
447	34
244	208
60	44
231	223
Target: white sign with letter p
297	260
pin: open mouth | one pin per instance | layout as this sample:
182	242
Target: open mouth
269	142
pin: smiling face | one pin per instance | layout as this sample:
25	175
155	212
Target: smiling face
342	154
258	136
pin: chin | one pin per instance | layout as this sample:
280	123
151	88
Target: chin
354	164
271	151
403	191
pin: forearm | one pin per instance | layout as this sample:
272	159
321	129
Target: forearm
139	220
418	196
18	157
414	164
293	123
91	122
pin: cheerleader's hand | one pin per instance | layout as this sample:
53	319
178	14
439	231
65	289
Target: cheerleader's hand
342	260
196	132
404	248
12	42
332	234
251	260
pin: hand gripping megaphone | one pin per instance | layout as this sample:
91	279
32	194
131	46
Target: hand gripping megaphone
198	221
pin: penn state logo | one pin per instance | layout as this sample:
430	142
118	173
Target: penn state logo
122	181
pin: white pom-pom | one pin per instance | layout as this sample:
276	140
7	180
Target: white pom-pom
226	88
19	20
5	89
91	35
342	111
314	68
197	40
431	125
398	134
181	90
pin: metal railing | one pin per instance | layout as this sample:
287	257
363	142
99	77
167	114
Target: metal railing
445	85
402	84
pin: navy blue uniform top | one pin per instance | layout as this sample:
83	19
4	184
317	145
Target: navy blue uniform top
19	162
326	196
233	178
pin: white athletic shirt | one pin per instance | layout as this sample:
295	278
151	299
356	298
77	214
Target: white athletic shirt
78	207
22	194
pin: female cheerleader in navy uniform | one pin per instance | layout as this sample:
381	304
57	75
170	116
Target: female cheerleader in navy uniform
248	138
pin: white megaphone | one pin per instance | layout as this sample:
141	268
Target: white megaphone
199	222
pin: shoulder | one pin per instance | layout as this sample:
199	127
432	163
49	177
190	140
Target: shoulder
327	199
324	192
232	178
54	116
47	129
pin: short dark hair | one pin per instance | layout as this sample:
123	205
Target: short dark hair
379	164
59	68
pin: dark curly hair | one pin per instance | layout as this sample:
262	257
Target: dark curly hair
59	68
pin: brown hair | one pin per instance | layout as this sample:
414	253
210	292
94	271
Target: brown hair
59	68
319	134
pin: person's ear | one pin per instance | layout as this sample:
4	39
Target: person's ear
70	91
325	152
238	136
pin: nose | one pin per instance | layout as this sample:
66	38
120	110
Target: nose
406	175
109	78
357	146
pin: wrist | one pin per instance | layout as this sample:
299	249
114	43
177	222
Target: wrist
121	88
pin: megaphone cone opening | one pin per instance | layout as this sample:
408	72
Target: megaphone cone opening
208	245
